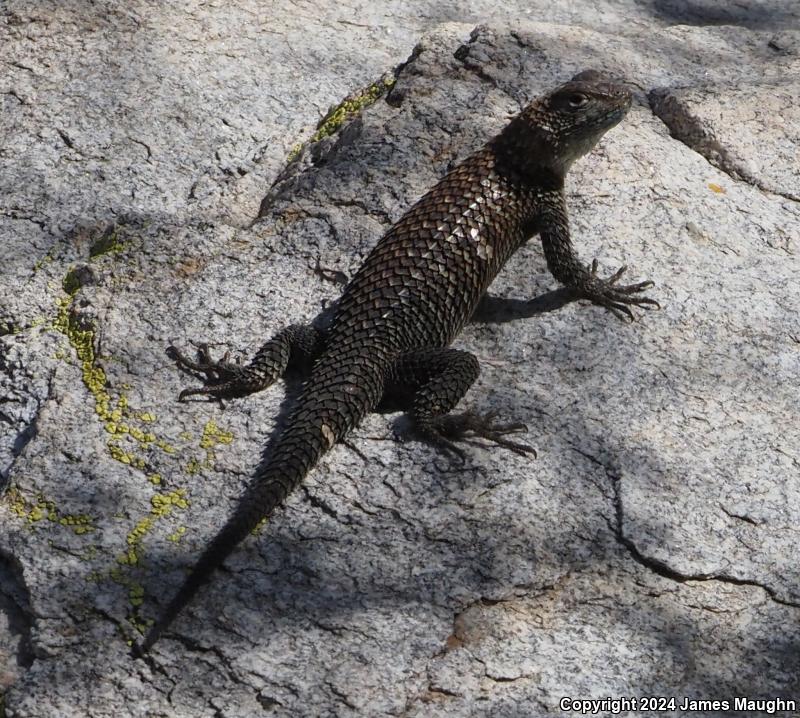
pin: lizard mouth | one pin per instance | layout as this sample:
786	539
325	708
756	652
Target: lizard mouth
613	117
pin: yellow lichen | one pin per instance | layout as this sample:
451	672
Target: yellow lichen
80	524
40	508
114	414
134	539
44	260
350	106
331	123
135	598
136	595
294	152
177	535
109	243
212	435
162	505
16	503
125	457
165	447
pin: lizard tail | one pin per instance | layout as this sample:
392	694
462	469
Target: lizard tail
258	502
323	416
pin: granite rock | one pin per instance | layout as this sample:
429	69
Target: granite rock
149	200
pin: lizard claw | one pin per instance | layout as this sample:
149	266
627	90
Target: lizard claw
443	431
222	378
615	298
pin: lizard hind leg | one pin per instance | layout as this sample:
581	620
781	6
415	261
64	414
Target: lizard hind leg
295	346
434	381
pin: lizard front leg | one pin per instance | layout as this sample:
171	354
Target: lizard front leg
296	345
568	269
433	381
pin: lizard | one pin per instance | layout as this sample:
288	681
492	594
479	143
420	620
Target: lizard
392	327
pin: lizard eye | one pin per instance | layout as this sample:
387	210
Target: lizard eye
576	100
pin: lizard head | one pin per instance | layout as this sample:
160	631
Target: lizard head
557	128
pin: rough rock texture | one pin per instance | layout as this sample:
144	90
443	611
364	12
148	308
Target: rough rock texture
648	551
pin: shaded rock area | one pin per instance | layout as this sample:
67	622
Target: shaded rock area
165	179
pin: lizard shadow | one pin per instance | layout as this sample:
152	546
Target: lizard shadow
490	310
498	310
697	12
324	563
332	563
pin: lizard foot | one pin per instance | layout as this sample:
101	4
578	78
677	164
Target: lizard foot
222	377
616	298
443	431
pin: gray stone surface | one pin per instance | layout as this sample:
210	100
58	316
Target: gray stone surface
648	551
751	133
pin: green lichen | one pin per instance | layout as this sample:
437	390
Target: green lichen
136	595
349	107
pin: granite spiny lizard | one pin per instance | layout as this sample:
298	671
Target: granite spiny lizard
398	315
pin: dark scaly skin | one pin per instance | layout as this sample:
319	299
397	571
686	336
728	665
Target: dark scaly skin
397	317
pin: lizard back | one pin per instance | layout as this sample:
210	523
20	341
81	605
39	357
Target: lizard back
422	281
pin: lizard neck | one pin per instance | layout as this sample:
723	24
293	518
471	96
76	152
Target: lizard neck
529	153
